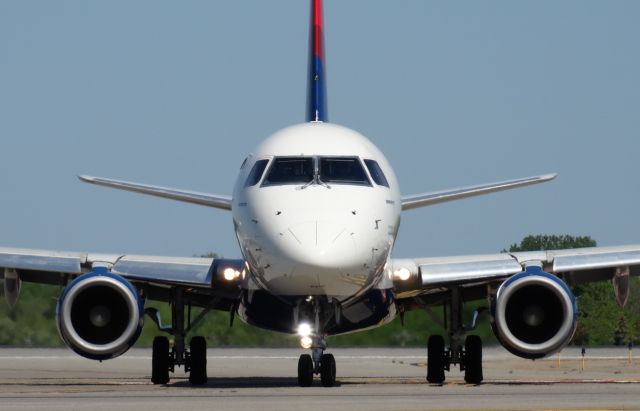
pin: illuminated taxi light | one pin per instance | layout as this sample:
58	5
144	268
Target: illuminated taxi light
403	274
230	274
304	330
306	342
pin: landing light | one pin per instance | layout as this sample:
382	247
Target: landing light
304	330
402	274
230	273
306	342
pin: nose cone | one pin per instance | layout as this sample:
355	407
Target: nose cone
318	257
321	245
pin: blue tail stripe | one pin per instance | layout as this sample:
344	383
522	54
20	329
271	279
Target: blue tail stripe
317	92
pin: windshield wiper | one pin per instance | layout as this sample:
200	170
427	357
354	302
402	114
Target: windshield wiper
316	177
302	187
322	183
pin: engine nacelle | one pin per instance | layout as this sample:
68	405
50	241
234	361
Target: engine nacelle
100	315
534	314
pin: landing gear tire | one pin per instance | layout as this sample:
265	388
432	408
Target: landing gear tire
473	360
305	370
198	361
160	361
327	370
435	359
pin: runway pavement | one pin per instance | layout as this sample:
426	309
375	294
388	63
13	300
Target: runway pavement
369	379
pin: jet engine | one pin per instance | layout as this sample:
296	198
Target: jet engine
534	314
100	315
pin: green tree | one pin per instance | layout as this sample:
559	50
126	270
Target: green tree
552	242
32	321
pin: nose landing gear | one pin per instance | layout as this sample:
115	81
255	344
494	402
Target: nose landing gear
317	363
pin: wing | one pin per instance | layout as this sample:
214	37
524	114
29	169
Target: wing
436	197
430	278
209	200
200	278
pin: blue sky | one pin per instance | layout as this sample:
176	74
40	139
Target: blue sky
455	93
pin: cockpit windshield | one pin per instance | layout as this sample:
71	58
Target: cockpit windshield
342	170
256	173
290	170
316	170
376	173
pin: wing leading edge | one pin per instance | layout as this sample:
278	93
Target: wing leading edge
426	199
205	199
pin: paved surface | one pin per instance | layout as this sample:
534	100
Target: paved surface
369	379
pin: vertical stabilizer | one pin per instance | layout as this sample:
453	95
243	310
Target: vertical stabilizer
317	90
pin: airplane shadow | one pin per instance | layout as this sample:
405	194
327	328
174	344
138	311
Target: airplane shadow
288	382
246	382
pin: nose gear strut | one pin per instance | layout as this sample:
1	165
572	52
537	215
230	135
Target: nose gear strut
318	362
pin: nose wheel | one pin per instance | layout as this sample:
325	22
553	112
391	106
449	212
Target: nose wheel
305	370
328	370
317	363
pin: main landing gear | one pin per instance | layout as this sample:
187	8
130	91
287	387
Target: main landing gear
469	356
164	359
317	363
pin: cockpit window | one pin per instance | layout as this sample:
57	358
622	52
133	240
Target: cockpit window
290	170
376	173
307	171
342	170
256	173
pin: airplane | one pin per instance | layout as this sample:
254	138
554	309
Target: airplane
316	210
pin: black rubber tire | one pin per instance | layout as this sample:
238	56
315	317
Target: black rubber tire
435	359
160	360
473	360
198	361
327	370
305	370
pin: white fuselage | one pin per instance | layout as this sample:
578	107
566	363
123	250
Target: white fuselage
316	238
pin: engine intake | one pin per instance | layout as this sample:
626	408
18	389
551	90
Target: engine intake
100	315
534	314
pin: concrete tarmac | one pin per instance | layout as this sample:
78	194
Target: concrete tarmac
369	379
